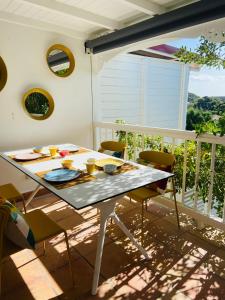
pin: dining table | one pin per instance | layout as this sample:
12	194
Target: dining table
100	190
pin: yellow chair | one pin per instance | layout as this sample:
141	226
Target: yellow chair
160	160
9	192
113	146
43	228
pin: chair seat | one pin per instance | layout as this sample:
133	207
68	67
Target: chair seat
42	226
143	193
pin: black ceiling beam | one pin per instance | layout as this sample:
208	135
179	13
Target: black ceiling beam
183	17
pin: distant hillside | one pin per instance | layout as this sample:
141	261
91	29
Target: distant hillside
192	97
202	110
219	97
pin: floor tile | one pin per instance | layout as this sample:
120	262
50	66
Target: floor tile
83	274
44	201
114	260
184	264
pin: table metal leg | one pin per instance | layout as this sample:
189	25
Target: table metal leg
31	197
128	234
107	210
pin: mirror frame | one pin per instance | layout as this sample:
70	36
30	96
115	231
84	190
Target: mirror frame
68	53
49	98
4	74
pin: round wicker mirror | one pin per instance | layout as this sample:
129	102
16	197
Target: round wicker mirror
60	60
38	104
3	74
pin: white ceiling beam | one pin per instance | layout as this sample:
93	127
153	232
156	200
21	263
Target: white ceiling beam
176	4
145	6
76	13
16	19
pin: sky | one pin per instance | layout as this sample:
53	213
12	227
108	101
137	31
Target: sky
207	81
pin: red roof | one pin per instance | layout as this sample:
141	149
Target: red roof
167	49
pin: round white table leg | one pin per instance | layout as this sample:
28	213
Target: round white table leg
99	251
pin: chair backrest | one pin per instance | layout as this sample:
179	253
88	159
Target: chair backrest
113	146
158	158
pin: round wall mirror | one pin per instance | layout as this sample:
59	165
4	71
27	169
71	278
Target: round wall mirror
38	103
3	74
60	60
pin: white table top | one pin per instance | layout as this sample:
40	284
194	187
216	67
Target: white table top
92	192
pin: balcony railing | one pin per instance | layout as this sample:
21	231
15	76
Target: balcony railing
190	200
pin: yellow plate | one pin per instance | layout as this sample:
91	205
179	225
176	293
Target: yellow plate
101	162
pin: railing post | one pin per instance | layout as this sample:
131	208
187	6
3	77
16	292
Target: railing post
162	144
212	172
126	142
143	143
184	171
94	137
198	159
173	145
135	146
224	209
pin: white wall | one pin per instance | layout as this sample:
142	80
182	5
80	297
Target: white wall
166	86
143	90
118	90
24	50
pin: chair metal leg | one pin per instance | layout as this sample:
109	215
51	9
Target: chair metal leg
24	206
142	220
175	202
146	207
44	247
69	257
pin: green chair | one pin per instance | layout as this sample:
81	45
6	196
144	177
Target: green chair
43	228
118	149
9	192
165	162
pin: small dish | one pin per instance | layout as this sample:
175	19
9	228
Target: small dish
27	156
70	148
38	149
109	168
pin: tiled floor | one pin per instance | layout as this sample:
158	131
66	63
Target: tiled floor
185	264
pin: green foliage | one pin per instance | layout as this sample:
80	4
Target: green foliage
62	72
138	142
192	97
196	117
208	53
212	105
206	115
37	103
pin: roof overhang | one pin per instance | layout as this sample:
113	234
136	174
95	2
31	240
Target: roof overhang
183	17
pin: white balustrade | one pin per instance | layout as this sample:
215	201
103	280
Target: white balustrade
192	207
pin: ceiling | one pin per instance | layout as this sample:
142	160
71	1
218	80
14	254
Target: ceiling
83	19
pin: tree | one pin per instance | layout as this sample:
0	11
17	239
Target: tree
208	53
196	117
206	103
192	97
